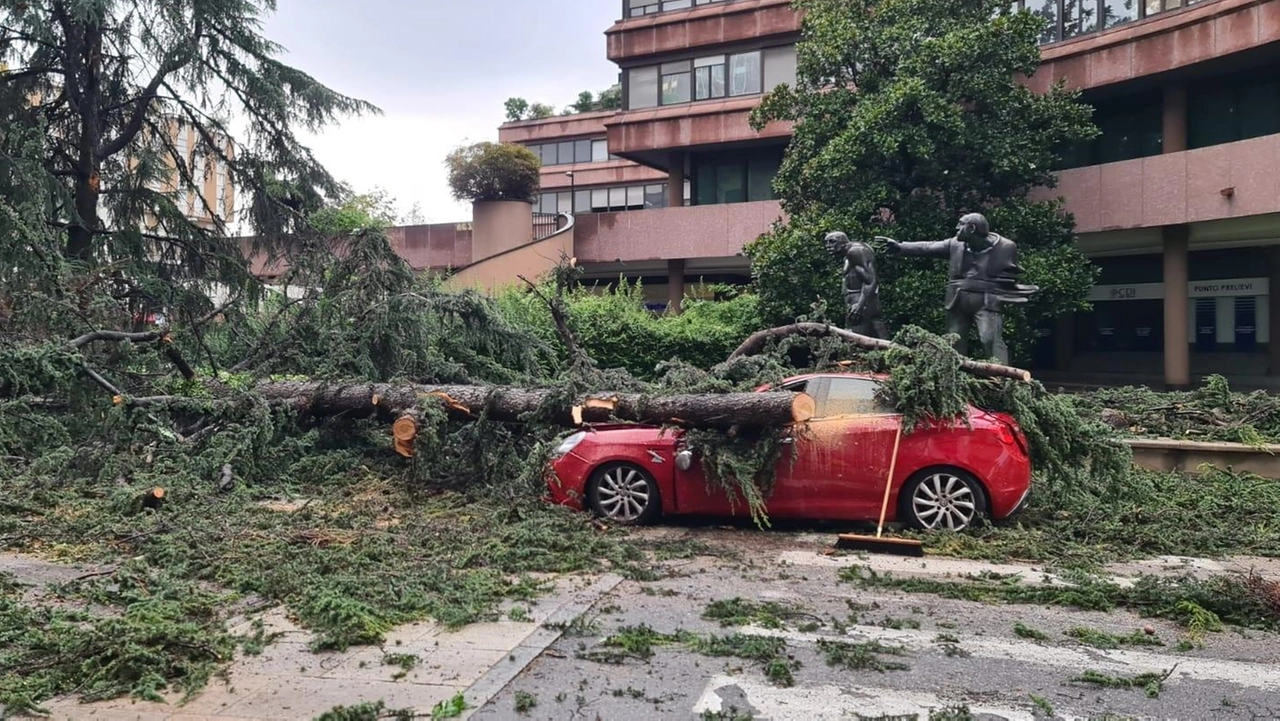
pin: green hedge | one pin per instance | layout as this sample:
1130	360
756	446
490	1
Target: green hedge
614	327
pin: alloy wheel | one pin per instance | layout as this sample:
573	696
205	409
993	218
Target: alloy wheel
944	500
623	494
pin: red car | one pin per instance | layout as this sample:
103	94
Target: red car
946	475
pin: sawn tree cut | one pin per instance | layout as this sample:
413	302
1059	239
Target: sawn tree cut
390	400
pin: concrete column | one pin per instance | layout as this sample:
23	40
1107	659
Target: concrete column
675	179
1174	125
1177	351
1273	306
675	285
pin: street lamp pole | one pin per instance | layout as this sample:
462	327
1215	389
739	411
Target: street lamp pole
572	195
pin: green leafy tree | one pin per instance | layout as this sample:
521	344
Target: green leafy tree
538	111
117	114
516	109
355	212
610	99
585	103
493	171
907	114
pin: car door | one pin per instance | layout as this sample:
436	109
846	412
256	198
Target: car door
793	487
814	469
867	435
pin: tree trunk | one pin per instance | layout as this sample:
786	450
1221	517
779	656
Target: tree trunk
390	401
756	341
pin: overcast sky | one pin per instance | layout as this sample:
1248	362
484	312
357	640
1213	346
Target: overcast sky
440	71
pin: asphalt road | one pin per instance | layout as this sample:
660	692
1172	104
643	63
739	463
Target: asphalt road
955	653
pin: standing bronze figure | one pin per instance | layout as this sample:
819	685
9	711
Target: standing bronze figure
982	270
860	286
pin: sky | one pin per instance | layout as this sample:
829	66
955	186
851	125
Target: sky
440	71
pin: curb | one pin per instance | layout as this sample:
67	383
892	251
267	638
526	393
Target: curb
485	688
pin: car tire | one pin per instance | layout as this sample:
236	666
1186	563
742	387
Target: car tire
624	494
946	499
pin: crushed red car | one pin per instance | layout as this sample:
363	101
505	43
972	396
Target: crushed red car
945	478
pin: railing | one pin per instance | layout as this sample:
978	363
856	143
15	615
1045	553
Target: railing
546	225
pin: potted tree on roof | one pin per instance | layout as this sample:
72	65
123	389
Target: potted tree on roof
500	180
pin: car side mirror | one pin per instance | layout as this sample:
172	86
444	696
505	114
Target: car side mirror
684	459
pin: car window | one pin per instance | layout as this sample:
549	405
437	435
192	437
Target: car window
851	396
796	386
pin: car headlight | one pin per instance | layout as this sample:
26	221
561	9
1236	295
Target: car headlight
568	444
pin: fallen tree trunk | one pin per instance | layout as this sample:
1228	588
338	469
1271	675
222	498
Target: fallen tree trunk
393	401
756	342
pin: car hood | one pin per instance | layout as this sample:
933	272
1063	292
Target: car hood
630	433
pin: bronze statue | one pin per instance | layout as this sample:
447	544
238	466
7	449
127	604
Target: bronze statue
983	271
860	286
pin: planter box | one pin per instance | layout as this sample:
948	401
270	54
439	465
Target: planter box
1167	454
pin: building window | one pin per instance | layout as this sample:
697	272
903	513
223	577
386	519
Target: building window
709	77
1079	17
1128	128
642	87
705	78
636	8
744	73
779	66
571	151
1072	18
677	82
735	176
1118	12
604	200
1047	9
1233	108
655	196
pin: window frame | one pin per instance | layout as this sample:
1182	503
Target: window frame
692	72
664	72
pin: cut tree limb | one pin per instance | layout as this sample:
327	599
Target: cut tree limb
756	342
393	401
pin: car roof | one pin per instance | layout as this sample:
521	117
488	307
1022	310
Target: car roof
810	376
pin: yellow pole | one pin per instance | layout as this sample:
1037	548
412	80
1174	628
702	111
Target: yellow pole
888	483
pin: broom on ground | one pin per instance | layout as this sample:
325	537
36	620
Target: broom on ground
877	543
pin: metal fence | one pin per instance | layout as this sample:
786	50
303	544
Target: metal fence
545	224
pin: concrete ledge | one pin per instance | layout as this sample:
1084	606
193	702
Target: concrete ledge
1168	454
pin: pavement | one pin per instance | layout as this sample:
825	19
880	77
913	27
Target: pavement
955	653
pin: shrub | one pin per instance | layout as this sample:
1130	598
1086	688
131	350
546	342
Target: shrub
616	330
493	171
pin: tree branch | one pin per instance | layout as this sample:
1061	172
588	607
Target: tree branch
170	65
116	336
755	342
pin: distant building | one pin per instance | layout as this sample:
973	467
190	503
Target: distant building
214	193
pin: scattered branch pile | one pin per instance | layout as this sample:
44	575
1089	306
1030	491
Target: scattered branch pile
1209	413
279	458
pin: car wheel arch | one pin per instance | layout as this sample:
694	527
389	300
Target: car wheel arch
925	471
596	475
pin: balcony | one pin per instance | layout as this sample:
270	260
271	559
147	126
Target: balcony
691	232
1220	182
717	23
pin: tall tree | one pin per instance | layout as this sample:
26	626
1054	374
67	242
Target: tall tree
907	114
138	104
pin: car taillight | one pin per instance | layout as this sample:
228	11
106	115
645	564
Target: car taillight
1010	435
